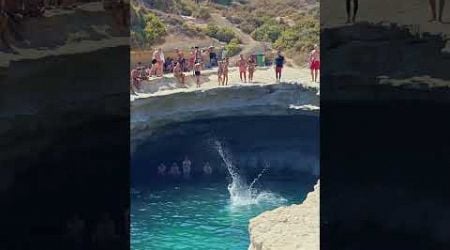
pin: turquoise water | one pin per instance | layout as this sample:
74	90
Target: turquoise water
197	215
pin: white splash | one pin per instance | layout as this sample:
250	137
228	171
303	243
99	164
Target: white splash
242	194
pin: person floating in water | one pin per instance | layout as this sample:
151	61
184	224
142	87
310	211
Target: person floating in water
197	73
207	170
348	4
186	167
242	64
174	170
314	63
279	62
162	169
251	66
434	12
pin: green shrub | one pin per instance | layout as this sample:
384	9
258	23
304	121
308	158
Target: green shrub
233	47
268	32
221	34
201	13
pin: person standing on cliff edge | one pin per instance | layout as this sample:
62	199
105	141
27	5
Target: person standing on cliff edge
433	10
279	62
350	18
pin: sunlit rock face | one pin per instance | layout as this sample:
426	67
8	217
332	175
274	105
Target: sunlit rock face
295	227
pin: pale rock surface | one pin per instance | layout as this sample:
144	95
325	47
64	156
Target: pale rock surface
295	227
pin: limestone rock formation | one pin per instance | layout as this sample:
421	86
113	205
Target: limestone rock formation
295	227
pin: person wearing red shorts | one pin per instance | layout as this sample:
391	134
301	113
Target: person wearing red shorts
279	62
314	63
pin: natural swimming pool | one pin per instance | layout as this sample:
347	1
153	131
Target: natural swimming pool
259	163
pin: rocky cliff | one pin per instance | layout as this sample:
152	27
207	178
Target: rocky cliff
288	228
149	114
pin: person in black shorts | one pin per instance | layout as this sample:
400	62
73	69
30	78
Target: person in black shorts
351	19
197	73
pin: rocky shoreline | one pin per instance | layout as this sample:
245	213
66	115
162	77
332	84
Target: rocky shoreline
288	228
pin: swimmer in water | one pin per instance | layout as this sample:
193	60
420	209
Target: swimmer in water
207	169
186	167
162	169
174	170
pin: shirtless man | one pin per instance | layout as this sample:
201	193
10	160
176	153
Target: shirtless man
225	71
178	73
159	56
197	73
314	63
355	10
433	10
242	64
251	65
220	72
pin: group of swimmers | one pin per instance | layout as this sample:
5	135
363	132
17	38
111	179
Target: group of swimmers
351	15
174	170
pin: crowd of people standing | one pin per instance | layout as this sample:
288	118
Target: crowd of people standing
200	59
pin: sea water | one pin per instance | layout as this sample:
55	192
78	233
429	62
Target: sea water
209	215
200	215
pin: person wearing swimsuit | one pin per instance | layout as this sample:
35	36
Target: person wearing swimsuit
220	72
197	73
225	71
242	64
251	68
314	63
348	9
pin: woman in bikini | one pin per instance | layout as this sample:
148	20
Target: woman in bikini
242	64
251	66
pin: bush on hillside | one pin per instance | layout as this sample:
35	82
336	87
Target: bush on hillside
221	34
268	32
233	47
